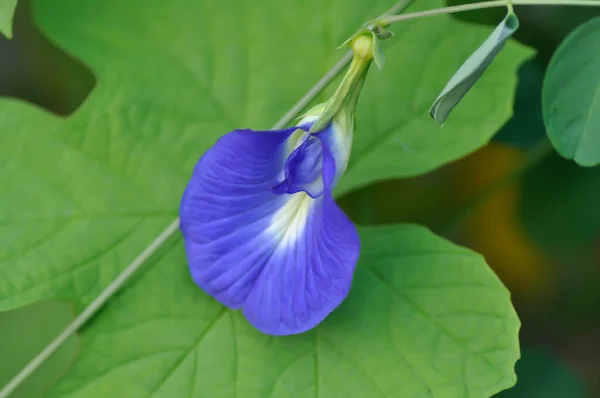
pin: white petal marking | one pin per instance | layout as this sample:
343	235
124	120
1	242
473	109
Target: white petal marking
289	222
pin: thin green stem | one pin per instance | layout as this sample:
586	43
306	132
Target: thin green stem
445	10
169	231
485	4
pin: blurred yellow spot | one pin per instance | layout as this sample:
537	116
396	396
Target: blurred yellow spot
493	228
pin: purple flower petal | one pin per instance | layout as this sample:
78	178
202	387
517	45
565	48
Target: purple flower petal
303	170
286	259
310	273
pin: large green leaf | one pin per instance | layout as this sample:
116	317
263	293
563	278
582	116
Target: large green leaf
571	96
105	181
424	318
7	10
559	204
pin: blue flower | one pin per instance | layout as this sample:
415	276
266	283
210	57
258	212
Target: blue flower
262	231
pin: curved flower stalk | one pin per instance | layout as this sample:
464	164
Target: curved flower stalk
261	229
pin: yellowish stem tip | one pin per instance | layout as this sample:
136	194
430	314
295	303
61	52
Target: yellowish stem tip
362	46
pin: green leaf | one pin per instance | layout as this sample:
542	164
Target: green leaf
7	10
542	375
105	181
22	337
571	96
473	68
559	205
424	318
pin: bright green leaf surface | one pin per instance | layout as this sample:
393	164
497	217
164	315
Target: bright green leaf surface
84	195
559	205
571	96
24	333
424	318
7	10
473	68
542	375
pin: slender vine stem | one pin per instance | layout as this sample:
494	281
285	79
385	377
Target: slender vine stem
485	4
446	10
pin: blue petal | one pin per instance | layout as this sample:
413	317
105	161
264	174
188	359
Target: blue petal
303	170
229	189
309	274
286	259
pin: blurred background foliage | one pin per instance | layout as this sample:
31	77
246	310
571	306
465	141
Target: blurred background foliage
533	215
25	332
